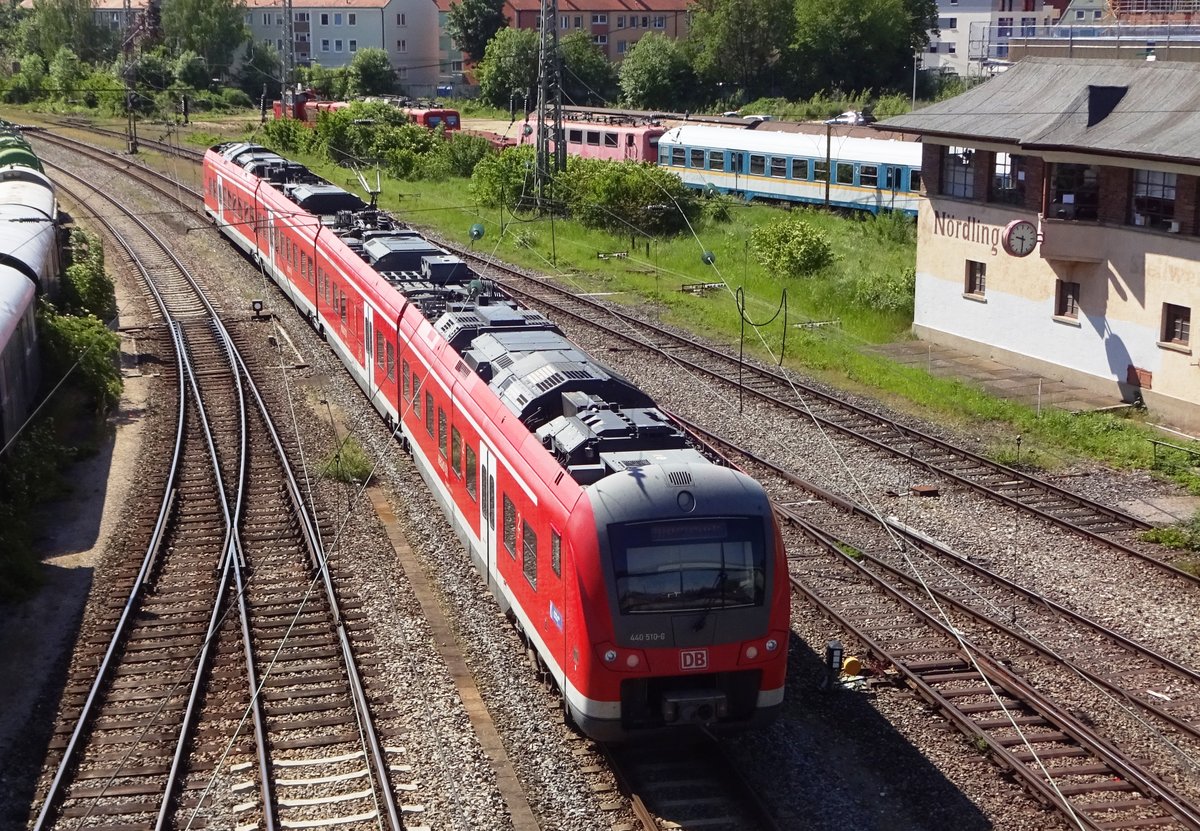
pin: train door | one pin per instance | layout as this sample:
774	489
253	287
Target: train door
220	199
271	238
368	355
487	508
737	163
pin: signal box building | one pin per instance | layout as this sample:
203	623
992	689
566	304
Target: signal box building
1060	231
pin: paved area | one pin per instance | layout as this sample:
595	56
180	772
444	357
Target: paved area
999	379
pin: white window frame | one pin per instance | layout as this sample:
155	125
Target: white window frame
337	18
324	44
337	45
660	22
600	40
599	19
352	45
351	18
324	18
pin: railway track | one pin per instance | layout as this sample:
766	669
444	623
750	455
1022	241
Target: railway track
233	535
902	614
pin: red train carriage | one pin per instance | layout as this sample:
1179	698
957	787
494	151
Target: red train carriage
615	141
433	117
651	582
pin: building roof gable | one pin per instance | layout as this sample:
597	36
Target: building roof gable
1121	107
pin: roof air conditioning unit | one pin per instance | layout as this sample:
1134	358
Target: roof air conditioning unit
1173	228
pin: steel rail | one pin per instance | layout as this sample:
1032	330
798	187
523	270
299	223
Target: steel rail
918	540
993	670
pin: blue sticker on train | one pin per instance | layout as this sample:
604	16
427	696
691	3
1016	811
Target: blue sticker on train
556	616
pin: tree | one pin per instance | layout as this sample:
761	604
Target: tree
859	45
328	82
588	75
213	29
740	42
370	73
66	75
260	66
656	75
508	71
70	23
472	24
190	71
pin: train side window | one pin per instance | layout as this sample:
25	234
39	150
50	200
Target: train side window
416	407
758	165
379	349
556	552
391	362
529	554
574	136
820	171
456	451
779	167
610	140
429	413
677	156
404	379
716	160
697	158
510	527
442	432
914	180
593	138
868	175
472	471
800	169
845	173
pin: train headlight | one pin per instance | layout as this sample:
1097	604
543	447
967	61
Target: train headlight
610	656
632	661
772	644
751	652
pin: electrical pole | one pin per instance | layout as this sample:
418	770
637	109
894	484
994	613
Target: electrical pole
289	47
549	105
129	33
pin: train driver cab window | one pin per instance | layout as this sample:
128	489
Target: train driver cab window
529	554
688	565
472	471
696	158
611	140
868	175
429	413
456	451
800	169
593	138
404	380
510	527
442	432
716	160
678	156
574	136
758	165
845	173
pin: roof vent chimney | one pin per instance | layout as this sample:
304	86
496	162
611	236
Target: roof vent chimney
1102	101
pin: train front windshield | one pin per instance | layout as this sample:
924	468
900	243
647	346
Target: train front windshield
689	565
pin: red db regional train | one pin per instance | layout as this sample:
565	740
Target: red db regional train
651	582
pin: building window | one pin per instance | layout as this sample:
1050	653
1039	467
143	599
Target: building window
249	18
301	17
402	73
600	40
400	18
976	285
337	45
1079	14
621	21
456	66
1008	179
599	20
1177	324
354	46
337	19
510	527
1066	301
324	19
324	44
578	21
1075	191
1153	201
1028	27
351	19
948	23
660	22
958	172
529	554
951	47
402	46
266	18
1004	27
622	47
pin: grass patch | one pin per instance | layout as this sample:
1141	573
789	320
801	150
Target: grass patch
1185	536
349	463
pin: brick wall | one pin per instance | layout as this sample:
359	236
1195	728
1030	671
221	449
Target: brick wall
1114	195
1185	204
1035	173
985	161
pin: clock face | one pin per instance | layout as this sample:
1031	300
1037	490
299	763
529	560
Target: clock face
1020	238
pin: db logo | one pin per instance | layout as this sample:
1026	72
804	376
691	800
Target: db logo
693	659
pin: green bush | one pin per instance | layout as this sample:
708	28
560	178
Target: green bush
66	339
891	292
625	196
236	99
791	247
1184	536
464	151
86	289
348	463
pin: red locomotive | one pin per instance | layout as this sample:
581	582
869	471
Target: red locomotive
613	139
306	105
651	582
433	117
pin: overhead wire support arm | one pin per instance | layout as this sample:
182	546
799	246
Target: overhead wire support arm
549	106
